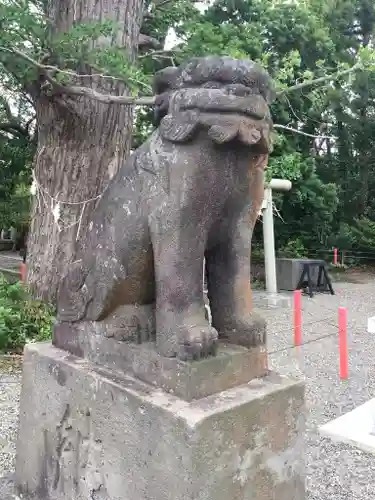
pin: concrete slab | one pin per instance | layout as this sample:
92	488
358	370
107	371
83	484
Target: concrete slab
356	427
266	300
371	325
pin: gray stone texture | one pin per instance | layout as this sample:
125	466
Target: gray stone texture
86	435
7	489
233	365
288	273
193	190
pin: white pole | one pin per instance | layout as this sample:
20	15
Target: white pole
268	232
280	185
269	242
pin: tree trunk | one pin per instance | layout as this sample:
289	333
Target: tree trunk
81	143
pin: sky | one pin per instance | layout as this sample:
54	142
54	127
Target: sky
171	38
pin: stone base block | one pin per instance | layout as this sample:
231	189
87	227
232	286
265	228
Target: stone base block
233	365
86	433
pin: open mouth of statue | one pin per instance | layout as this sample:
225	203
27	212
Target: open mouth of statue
219	101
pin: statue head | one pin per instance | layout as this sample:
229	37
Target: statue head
228	97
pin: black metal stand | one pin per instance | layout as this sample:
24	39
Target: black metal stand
305	280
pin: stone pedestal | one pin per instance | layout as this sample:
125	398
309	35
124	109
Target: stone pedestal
88	433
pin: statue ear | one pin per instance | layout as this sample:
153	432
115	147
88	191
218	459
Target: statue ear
161	106
248	134
256	135
264	146
178	128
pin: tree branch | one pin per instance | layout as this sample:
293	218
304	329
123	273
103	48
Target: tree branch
98	96
28	123
14	129
295	131
156	5
54	69
26	58
322	79
161	3
159	53
49	71
6	107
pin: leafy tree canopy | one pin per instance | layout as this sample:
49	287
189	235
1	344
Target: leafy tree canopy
330	160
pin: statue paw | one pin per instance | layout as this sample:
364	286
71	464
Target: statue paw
248	331
197	342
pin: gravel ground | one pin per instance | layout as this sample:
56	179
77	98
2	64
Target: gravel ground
10	260
10	377
334	471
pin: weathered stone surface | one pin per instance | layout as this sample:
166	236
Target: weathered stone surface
86	434
7	489
233	365
192	190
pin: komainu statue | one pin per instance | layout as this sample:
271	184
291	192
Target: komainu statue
193	190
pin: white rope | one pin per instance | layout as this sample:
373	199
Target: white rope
36	185
54	205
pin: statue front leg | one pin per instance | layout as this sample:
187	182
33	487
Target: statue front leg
181	327
228	276
229	293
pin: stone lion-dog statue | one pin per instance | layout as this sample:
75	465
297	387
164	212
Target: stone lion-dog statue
191	192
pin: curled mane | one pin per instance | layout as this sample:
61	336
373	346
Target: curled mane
227	96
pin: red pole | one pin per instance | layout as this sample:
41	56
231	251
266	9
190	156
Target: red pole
297	317
23	271
335	256
343	343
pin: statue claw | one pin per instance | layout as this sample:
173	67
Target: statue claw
197	342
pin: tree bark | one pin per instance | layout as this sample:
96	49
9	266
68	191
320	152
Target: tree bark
81	143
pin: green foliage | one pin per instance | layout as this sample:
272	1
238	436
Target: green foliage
86	48
308	210
143	126
22	320
358	236
288	166
333	177
293	249
16	156
76	49
257	253
15	209
17	146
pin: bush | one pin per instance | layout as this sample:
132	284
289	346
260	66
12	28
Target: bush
15	210
257	252
294	249
309	209
356	240
22	319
